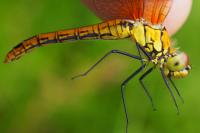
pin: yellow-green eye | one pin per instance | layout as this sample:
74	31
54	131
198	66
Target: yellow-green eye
177	62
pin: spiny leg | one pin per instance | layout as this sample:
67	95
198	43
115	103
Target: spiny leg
138	49
145	89
106	55
170	90
146	53
176	89
123	85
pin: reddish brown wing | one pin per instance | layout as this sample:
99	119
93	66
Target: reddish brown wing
153	11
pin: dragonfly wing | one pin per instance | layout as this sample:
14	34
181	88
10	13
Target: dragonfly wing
109	9
153	11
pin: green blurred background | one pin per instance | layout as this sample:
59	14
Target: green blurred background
37	95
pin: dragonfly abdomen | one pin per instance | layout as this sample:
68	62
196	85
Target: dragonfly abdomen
109	30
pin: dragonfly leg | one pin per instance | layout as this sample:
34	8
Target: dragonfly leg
144	87
170	90
139	52
146	53
176	89
123	85
106	55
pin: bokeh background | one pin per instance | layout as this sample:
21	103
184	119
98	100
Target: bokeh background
37	94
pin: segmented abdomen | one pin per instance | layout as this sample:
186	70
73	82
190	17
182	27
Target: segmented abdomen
109	30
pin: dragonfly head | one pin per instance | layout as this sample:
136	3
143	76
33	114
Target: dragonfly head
177	65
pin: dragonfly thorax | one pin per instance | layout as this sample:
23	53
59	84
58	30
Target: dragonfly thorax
153	39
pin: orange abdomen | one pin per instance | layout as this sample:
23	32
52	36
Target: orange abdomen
109	30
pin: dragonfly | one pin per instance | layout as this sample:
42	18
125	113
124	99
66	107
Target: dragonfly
140	20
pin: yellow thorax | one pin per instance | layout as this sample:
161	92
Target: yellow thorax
153	39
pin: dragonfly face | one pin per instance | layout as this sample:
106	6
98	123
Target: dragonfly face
177	66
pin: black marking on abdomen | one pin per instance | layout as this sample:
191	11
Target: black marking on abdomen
106	34
89	35
38	40
47	41
117	32
121	26
68	38
22	44
18	49
99	34
18	46
109	27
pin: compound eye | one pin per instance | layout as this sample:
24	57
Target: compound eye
178	62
